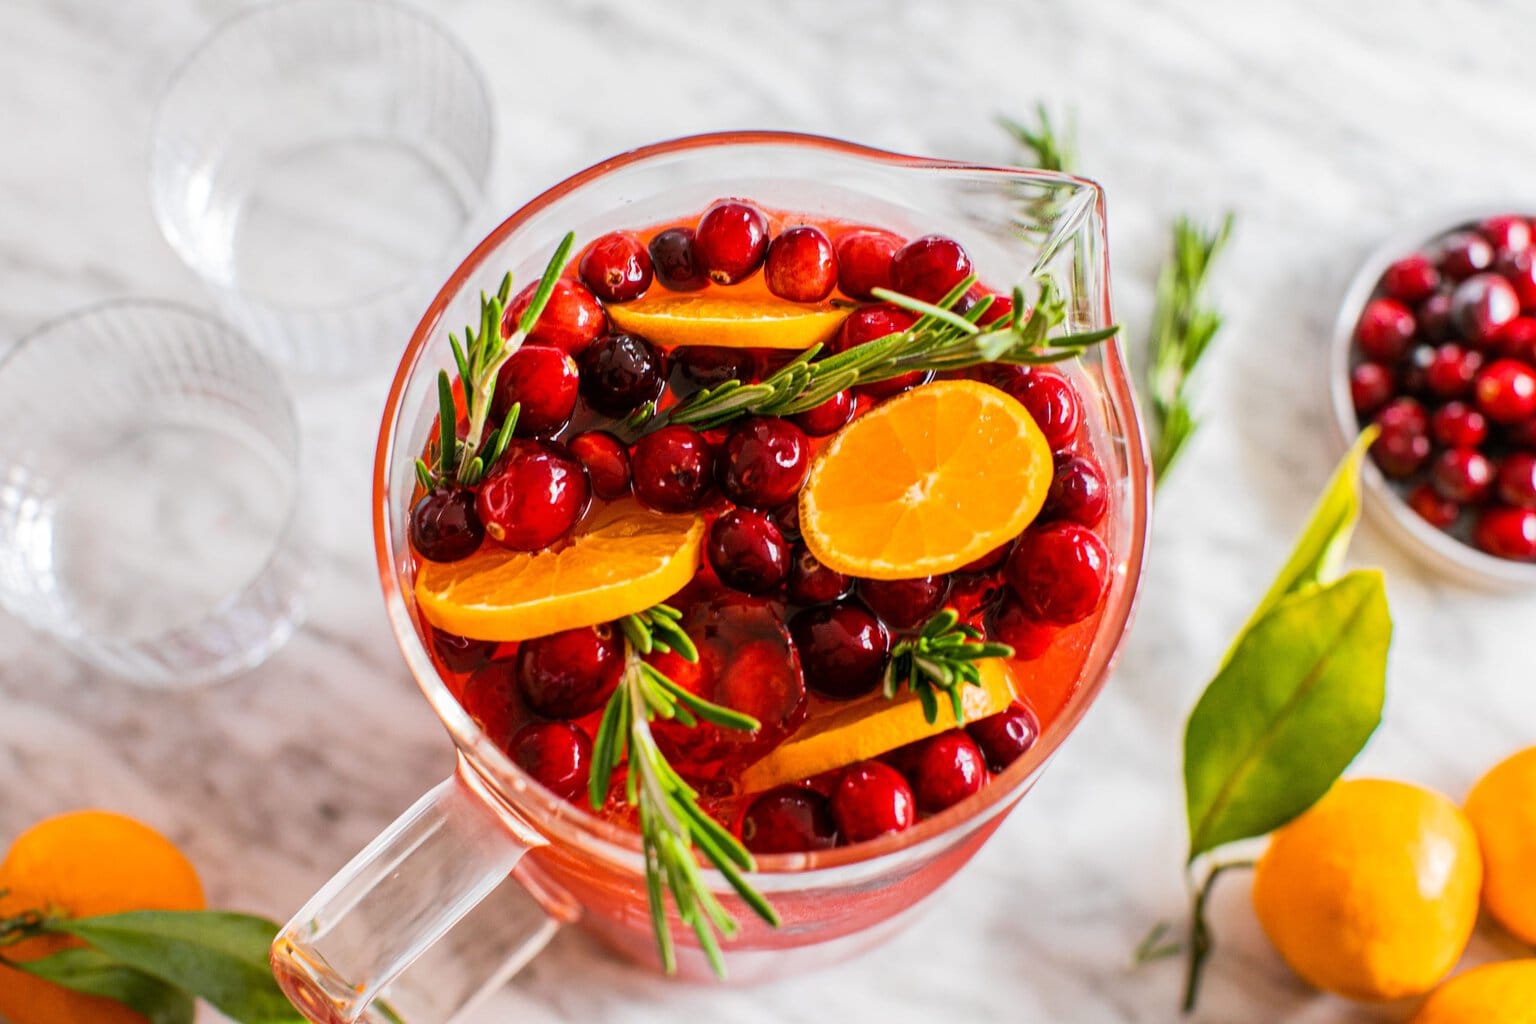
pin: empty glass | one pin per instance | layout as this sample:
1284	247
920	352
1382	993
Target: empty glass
317	163
148	488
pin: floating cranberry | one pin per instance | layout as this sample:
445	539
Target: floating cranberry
1462	475
1371	386
674	262
864	263
445	526
1459	425
828	417
556	754
1517	480
842	648
570	673
542	380
572	318
460	653
747	551
1507	233
790	819
1434	317
870	800
1464	253
810	582
1059	571
905	604
800	265
1079	492
1404	413
1006	736
871	324
928	268
1506	391
1451	372
1001	306
1519	269
1052	403
764	461
533	496
731	241
1403	445
672	469
1411	279
1435	509
1009	622
946	769
1507	532
620	373
616	267
606	460
1517	340
489	697
1481	306
1385	329
708	366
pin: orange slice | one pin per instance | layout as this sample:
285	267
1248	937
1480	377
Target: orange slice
925	483
767	322
872	726
624	561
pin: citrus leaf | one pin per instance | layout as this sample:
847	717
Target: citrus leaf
215	955
94	973
1300	694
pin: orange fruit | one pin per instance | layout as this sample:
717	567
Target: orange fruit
1491	994
690	318
871	726
925	483
84	863
1371	894
1502	807
625	560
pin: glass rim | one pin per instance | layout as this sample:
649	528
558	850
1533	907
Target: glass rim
558	819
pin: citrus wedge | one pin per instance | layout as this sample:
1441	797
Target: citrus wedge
676	319
624	561
872	726
925	483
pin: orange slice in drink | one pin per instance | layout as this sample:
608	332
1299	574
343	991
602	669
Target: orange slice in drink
674	319
624	561
925	483
872	726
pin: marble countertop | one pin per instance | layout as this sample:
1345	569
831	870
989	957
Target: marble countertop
1321	124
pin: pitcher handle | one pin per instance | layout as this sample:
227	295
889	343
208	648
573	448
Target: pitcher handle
404	893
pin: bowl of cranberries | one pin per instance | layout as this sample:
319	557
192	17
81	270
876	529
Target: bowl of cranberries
1436	347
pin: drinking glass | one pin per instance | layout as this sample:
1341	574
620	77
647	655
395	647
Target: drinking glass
148	490
316	163
490	819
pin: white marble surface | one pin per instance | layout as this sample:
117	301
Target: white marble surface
1320	123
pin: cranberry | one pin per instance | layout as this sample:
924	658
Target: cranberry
1052	403
672	469
1462	475
764	461
1411	279
1002	305
1507	233
1006	736
842	647
708	366
616	267
1385	328
542	379
1506	391
1451	371
905	604
790	819
606	460
445	526
1403	446
1507	532
810	582
1517	340
1517	480
1436	510
1078	492
801	266
1404	414
828	417
864	263
1519	269
731	241
572	318
533	496
871	324
557	755
928	268
1010	623
1371	386
570	673
674	261
1459	425
620	373
871	799
975	597
460	653
490	698
1481	306
946	769
747	551
1464	253
1413	372
1059	571
1434	317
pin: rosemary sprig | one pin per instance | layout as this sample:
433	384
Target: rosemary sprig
940	659
672	824
1048	150
1183	326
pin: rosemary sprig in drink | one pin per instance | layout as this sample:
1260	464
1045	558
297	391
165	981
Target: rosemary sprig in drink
940	659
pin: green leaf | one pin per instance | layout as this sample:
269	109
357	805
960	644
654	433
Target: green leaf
217	956
1299	696
94	973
